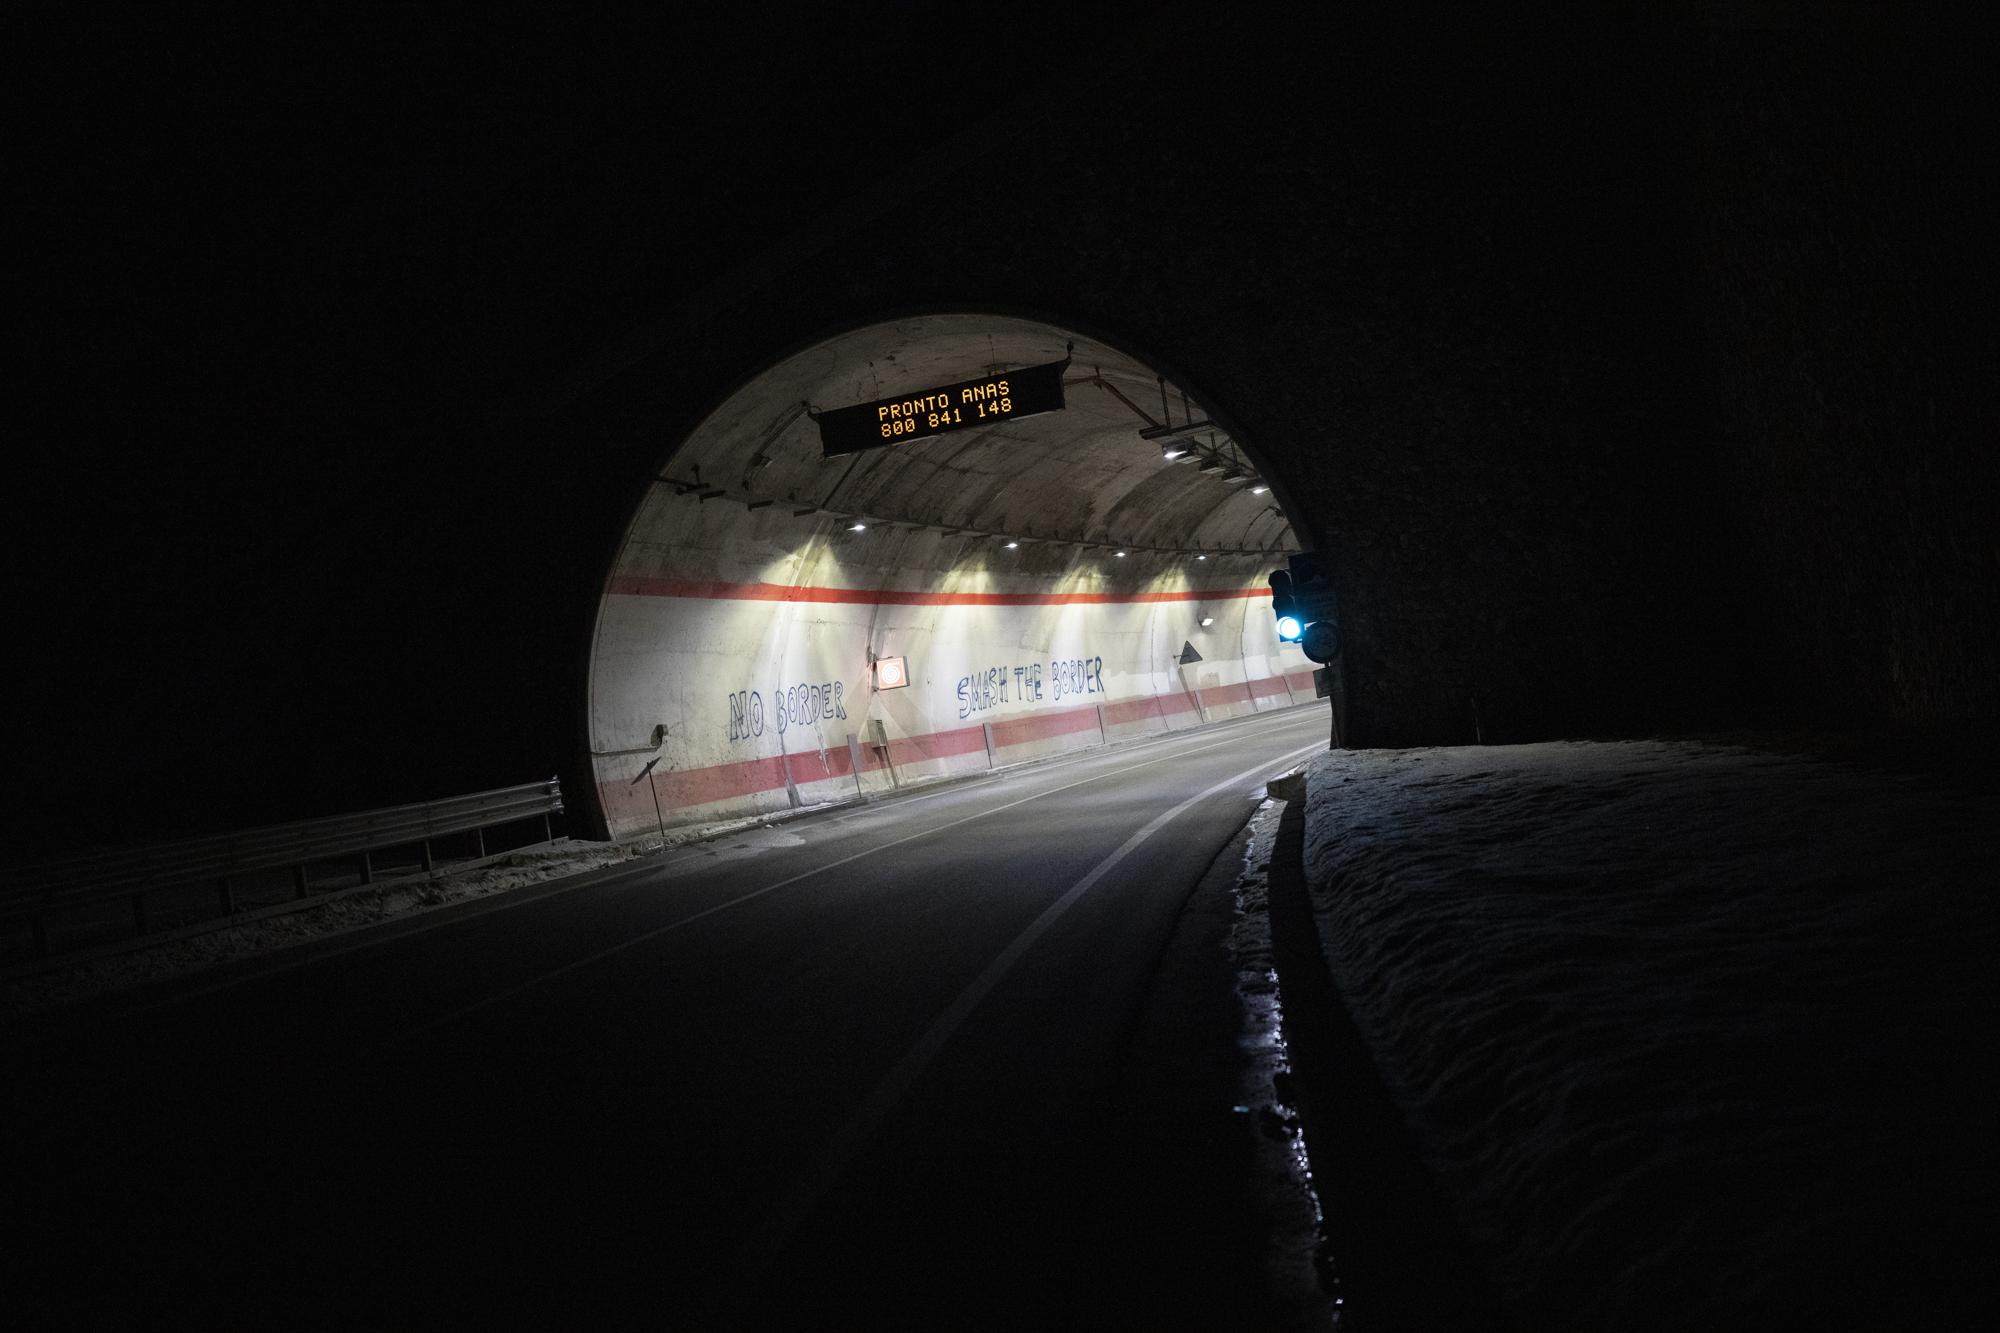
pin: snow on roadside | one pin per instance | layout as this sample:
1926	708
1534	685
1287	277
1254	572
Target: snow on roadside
1692	1036
87	979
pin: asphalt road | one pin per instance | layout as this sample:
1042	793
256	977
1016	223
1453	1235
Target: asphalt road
858	1070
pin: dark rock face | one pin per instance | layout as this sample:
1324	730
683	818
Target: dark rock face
1837	296
1632	382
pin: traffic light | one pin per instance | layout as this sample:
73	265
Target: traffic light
1302	601
1291	626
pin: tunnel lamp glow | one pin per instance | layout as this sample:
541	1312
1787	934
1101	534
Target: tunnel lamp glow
1119	554
1170	453
1013	545
1259	488
858	527
1206	621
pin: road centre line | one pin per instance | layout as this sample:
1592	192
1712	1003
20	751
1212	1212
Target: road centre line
671	863
486	1002
862	1123
890	802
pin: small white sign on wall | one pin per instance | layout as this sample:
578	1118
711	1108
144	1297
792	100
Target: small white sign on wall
891	673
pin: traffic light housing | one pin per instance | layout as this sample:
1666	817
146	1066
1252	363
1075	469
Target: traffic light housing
1302	602
1291	626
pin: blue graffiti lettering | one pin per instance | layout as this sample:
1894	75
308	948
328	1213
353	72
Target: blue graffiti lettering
801	705
1062	678
746	715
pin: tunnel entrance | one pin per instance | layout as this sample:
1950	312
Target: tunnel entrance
784	628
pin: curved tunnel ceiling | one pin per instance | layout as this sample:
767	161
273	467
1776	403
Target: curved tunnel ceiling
1085	575
1083	475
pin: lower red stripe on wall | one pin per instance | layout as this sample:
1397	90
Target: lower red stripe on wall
937	745
1217	695
1137	710
1042	726
679	789
699	786
1268	687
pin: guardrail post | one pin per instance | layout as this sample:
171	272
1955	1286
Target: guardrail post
548	828
430	862
479	843
224	896
1103	732
988	728
367	868
301	881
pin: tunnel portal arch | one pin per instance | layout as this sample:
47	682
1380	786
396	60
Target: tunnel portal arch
1050	582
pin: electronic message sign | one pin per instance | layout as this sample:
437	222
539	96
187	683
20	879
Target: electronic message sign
986	401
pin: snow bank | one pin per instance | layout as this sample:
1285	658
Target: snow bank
1691	1036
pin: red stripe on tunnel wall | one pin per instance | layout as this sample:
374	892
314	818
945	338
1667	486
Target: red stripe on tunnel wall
746	777
639	585
1137	710
919	749
1226	694
1041	726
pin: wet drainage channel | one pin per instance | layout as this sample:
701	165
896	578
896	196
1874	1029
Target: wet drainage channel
1267	1087
1385	1253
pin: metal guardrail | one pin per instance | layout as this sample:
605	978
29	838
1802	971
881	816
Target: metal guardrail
35	891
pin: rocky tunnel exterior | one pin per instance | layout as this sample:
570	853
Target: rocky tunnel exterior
1631	379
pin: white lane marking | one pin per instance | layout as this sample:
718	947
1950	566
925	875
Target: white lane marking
369	934
892	802
498	997
868	1117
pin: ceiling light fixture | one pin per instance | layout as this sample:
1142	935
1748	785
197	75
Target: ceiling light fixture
1259	488
1012	545
859	527
1119	554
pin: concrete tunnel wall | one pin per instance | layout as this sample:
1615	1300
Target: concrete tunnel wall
762	684
735	635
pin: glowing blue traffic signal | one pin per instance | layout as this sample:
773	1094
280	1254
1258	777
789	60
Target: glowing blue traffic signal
1302	603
